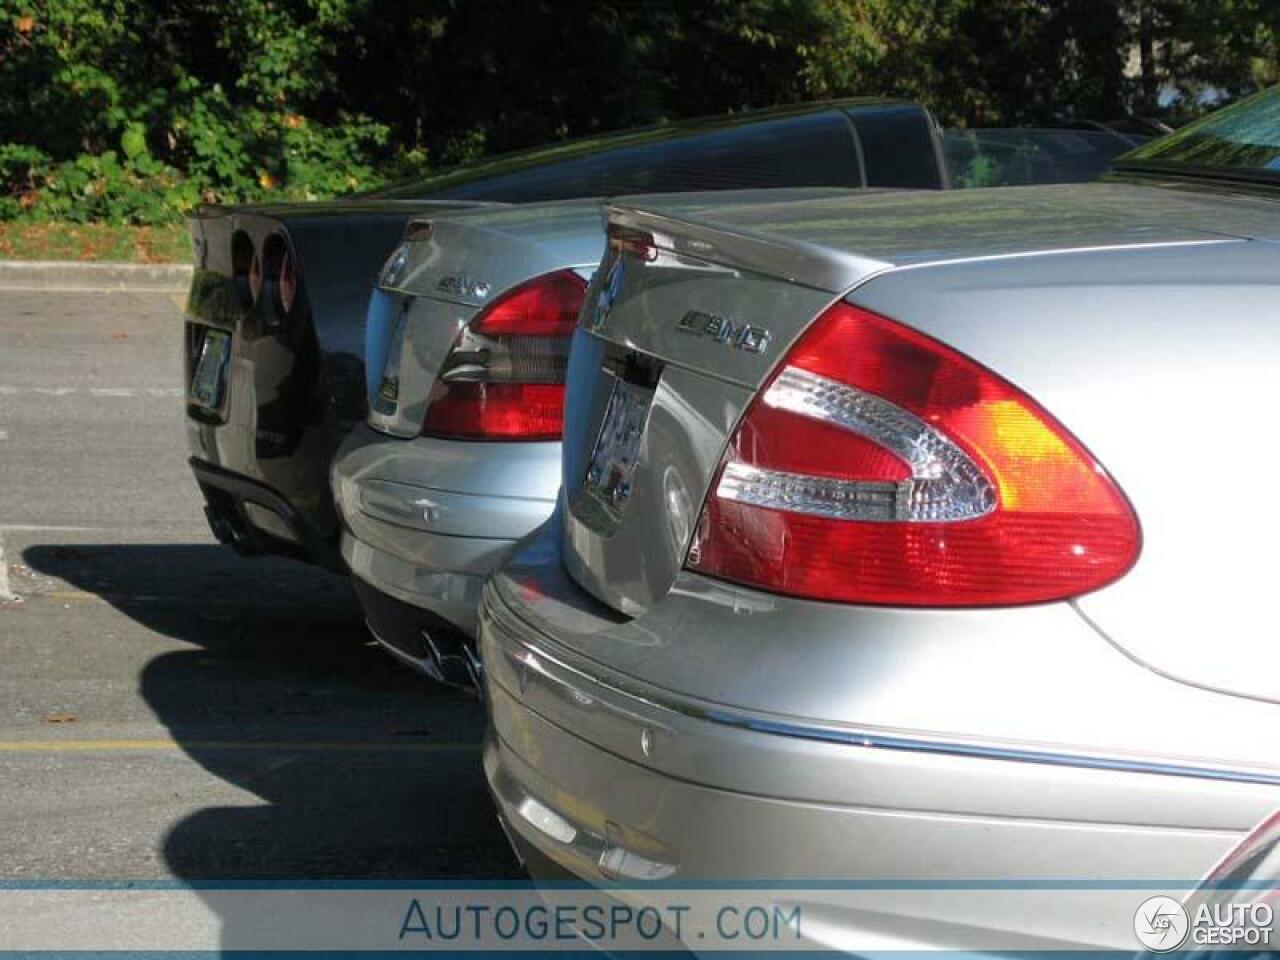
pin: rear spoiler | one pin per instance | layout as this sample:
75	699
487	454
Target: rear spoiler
796	261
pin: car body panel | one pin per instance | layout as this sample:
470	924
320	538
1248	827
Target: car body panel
931	676
717	268
723	837
426	520
725	731
445	575
695	800
1184	341
905	228
1166	266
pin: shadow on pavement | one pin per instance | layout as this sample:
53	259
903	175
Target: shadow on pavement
351	766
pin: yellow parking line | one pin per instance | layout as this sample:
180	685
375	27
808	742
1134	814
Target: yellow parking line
293	746
222	604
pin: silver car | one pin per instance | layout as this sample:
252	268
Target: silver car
460	457
469	329
884	551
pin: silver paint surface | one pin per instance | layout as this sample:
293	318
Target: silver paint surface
1133	733
426	518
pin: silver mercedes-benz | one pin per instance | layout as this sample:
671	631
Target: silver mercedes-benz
469	328
884	553
468	335
469	332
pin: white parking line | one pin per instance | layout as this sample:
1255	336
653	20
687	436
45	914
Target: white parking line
46	527
179	295
4	575
12	391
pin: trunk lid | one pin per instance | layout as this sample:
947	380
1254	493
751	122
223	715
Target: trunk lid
438	280
697	300
672	346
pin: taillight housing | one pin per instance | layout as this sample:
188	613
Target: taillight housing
880	466
504	377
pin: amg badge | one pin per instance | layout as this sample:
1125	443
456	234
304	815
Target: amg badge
463	286
723	330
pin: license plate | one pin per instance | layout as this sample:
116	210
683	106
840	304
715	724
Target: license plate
210	379
613	460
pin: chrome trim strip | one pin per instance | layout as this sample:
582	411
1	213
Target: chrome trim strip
1067	251
870	739
951	748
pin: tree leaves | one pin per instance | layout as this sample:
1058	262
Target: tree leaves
131	109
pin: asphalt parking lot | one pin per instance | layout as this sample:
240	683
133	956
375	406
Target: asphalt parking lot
169	710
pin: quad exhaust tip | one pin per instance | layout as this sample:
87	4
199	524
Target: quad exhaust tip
461	670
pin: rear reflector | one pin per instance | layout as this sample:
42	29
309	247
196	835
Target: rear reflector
504	377
880	466
496	411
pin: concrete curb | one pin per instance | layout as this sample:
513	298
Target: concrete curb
56	276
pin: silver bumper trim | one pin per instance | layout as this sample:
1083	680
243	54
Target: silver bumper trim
551	662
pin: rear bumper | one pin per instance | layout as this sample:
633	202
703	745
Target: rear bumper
419	639
254	519
608	779
425	521
427	584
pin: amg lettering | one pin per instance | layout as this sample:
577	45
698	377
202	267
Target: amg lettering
723	330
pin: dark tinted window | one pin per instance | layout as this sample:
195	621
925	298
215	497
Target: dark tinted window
813	150
899	146
1012	157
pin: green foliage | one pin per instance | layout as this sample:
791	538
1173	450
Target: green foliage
133	111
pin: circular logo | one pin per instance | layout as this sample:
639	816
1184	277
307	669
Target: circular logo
1161	924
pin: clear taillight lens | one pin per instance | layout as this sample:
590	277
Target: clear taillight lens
504	377
880	466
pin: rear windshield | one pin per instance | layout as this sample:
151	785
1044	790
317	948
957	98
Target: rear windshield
845	143
1243	140
806	151
801	148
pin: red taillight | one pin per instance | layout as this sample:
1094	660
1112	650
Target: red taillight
504	377
544	307
497	411
880	466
